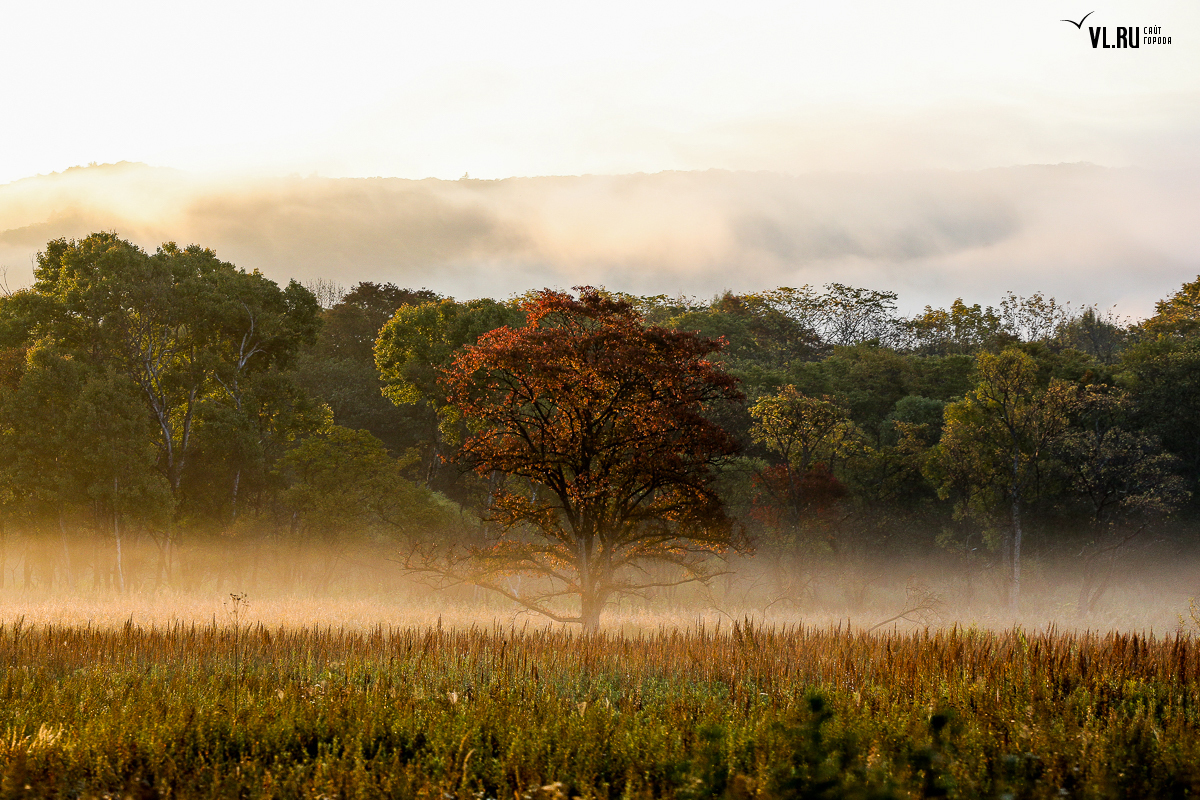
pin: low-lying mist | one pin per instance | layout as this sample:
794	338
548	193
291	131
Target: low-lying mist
79	580
1079	232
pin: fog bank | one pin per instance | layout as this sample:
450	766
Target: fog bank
1080	232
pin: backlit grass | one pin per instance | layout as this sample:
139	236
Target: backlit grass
511	713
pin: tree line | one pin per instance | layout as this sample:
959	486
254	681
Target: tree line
593	444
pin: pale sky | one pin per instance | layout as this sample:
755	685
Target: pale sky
880	143
418	89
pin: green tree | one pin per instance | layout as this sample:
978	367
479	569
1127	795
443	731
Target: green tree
758	335
113	459
259	332
345	487
180	323
344	481
340	369
78	443
234	467
35	441
1101	335
1124	479
1163	379
995	441
416	344
960	329
867	379
1178	316
353	324
808	433
195	338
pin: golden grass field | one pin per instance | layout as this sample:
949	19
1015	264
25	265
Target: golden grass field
157	697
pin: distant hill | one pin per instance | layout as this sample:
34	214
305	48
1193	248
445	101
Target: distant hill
1081	232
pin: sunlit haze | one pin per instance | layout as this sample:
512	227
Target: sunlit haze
534	88
240	96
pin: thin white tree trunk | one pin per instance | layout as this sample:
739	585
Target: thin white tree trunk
62	529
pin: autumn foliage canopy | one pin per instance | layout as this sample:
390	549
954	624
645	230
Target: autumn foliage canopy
597	421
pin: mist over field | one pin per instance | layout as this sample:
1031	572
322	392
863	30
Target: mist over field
73	580
1084	233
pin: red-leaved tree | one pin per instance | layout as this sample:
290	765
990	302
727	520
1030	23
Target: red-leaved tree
597	424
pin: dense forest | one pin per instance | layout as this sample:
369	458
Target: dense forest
150	402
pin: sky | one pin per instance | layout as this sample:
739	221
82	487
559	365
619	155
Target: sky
252	91
419	89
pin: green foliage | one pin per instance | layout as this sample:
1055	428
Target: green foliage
174	353
35	409
1100	335
942	378
961	329
71	437
1122	475
345	484
803	430
867	378
759	335
996	442
997	437
1178	316
915	410
340	369
418	341
112	454
235	462
352	326
1163	378
412	349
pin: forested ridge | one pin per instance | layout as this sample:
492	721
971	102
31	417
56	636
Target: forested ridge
150	401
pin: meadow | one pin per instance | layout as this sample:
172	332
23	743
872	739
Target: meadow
231	709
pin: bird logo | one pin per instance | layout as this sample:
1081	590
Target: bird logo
1079	24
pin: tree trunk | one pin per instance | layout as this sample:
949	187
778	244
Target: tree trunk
793	494
590	599
160	566
117	535
435	458
1085	592
1014	496
62	529
493	485
1014	586
1089	578
233	510
97	577
590	613
1006	554
1095	595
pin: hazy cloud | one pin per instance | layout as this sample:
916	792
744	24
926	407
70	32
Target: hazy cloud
1083	233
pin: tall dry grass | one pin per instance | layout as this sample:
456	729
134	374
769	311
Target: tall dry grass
524	711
